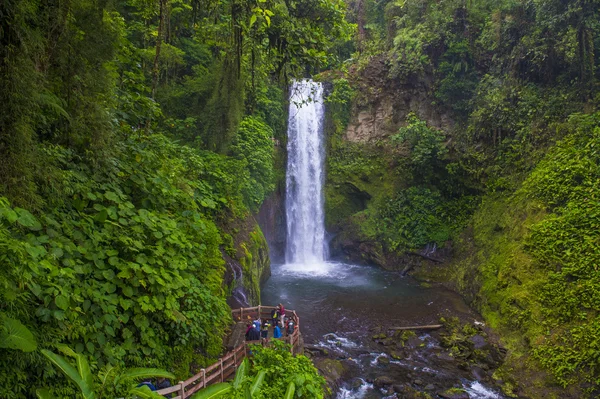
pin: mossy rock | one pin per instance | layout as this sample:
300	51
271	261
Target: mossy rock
454	393
331	369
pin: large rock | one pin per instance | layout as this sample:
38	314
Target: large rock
383	381
383	104
479	341
332	370
454	393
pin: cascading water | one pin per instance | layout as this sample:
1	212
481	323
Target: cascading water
305	174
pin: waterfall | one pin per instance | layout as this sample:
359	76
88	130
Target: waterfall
305	175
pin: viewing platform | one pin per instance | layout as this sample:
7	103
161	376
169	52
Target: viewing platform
238	350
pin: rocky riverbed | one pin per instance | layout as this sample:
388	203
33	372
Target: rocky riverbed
346	314
455	362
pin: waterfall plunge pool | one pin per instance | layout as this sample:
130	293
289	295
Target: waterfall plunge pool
341	305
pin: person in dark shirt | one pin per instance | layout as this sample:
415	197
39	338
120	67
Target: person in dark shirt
290	327
254	334
275	316
264	332
248	328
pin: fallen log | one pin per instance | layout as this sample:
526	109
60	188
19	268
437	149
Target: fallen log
429	327
424	256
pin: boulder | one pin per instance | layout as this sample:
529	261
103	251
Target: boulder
479	341
383	381
332	370
383	360
454	393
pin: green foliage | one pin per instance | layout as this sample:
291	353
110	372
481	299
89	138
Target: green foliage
14	335
535	260
254	145
510	75
426	145
458	78
214	391
413	219
339	102
112	381
565	244
127	269
110	233
281	369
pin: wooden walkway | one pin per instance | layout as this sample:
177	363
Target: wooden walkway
226	366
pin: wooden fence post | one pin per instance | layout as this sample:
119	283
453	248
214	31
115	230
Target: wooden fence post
221	367
203	378
241	314
182	390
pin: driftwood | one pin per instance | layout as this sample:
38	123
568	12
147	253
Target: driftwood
429	327
424	256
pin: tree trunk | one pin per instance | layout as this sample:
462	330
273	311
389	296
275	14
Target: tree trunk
161	22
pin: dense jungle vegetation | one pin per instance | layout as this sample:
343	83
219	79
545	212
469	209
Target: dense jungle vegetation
496	161
136	137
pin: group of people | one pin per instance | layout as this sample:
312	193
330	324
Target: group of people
259	329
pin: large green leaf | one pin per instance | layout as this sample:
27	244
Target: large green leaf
141	373
86	390
289	393
84	369
213	391
144	392
258	380
43	393
240	374
26	219
16	336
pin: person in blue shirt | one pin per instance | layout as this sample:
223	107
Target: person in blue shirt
148	384
276	331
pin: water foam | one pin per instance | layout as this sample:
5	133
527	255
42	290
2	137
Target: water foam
358	393
477	391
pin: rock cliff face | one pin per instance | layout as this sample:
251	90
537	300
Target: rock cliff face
271	219
248	264
383	104
364	167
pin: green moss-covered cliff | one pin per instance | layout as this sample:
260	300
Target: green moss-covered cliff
250	265
463	146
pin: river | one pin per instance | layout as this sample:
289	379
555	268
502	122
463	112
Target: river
340	305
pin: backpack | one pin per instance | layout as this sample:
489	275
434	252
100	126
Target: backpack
274	314
290	327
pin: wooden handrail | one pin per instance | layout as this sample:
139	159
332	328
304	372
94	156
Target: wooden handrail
228	364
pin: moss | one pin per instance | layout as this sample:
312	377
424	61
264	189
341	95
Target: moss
256	265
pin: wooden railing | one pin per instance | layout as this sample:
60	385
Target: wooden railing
226	366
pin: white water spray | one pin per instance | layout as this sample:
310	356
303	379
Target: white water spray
305	176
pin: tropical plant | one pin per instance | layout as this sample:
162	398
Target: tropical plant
112	380
14	335
273	371
242	385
